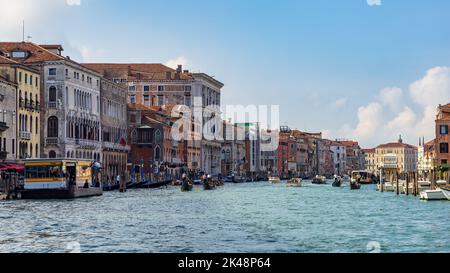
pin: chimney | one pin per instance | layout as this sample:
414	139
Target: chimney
180	68
56	49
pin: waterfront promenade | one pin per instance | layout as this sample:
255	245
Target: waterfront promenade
249	217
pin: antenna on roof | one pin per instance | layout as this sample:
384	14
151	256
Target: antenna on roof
23	30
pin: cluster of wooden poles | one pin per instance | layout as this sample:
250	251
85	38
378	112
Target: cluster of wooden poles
412	178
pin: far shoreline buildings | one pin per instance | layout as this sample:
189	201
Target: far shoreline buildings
121	115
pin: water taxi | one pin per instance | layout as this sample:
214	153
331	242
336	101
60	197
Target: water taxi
274	180
60	179
319	180
295	182
364	177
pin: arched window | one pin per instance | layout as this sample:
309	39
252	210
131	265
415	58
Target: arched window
52	127
157	153
31	124
37	125
52	154
37	151
52	94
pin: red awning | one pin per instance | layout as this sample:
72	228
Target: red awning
7	167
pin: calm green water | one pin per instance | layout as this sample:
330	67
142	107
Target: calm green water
253	217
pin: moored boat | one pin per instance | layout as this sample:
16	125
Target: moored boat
63	179
295	182
433	195
446	192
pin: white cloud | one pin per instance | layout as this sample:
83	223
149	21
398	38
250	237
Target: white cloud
433	89
340	102
73	2
177	61
392	97
374	2
388	116
369	120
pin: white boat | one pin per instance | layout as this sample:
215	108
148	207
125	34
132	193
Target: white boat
446	192
274	180
295	182
389	187
432	195
441	184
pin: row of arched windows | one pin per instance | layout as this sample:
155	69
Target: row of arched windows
26	124
82	99
83	129
26	150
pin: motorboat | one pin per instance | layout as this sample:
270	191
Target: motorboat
441	184
433	195
446	192
319	180
274	180
294	182
363	177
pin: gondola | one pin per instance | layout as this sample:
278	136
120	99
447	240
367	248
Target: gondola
337	182
154	185
355	186
208	186
187	187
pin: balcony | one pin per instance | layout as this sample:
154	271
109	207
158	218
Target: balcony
3	126
25	135
86	143
52	105
51	141
116	146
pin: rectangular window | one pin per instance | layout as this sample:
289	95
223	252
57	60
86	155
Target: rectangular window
31	79
188	88
160	88
132	99
52	72
160	100
13	146
26	78
18	54
443	148
132	88
20	76
444	129
147	100
146	88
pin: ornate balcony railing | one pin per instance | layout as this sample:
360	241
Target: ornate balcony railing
51	141
52	105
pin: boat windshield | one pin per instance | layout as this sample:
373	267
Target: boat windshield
32	172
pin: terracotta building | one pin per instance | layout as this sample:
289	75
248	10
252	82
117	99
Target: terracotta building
442	135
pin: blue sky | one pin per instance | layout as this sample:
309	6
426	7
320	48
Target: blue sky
323	61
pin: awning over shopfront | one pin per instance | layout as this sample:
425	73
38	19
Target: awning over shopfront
9	167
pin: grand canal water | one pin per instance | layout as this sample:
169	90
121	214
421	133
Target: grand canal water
253	217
